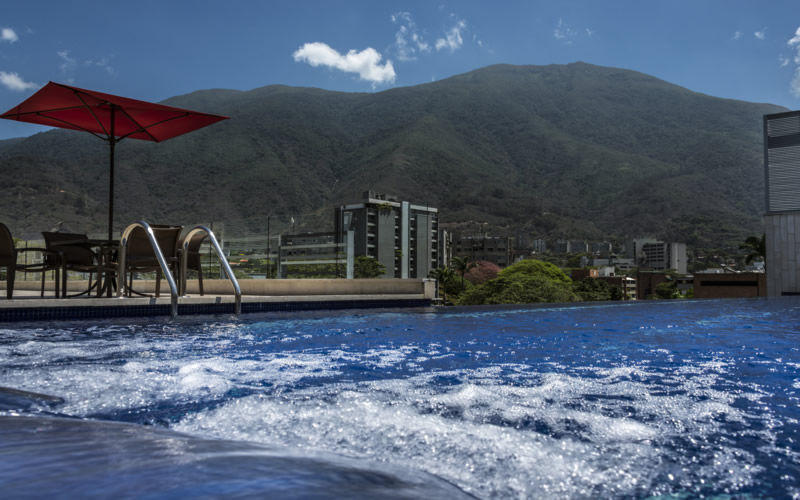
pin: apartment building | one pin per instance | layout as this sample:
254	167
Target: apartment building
401	235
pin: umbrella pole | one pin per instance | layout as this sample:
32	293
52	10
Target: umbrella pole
112	141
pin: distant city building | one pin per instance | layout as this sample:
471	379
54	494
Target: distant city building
539	246
495	249
606	271
600	248
633	248
782	220
662	256
561	246
301	254
655	255
729	285
577	246
623	264
570	246
402	236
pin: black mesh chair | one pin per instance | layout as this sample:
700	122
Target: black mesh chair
140	257
193	262
8	260
73	252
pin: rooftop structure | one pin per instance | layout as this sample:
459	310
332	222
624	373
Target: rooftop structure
782	220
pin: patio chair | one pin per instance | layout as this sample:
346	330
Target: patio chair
73	252
140	257
8	259
193	256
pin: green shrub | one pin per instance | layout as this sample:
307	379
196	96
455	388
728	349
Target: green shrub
667	290
367	267
525	282
589	289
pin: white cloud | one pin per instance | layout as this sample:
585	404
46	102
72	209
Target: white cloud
589	32
564	32
366	63
12	81
761	35
8	35
795	40
784	61
103	63
738	35
453	39
794	43
68	63
795	86
408	40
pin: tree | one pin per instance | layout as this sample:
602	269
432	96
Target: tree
757	248
461	265
667	290
522	283
442	275
594	289
368	267
533	267
482	272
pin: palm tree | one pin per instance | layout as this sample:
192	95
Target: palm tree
462	265
442	275
756	246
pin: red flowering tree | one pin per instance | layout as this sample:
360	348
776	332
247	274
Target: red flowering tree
482	272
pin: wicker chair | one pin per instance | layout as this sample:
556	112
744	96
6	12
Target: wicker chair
8	259
140	257
193	256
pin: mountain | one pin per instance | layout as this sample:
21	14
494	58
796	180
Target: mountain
575	150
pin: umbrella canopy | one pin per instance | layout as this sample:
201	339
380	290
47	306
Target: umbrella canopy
109	117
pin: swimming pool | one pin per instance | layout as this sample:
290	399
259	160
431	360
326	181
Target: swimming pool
608	400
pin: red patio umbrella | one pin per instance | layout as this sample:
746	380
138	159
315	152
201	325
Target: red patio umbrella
109	117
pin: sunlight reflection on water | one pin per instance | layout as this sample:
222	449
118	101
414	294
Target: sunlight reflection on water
608	400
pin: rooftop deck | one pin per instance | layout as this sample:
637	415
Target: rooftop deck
258	296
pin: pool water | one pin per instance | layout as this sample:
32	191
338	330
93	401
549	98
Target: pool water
682	398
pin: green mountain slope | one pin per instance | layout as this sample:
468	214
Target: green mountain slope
574	150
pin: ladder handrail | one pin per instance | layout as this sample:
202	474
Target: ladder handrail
123	246
220	255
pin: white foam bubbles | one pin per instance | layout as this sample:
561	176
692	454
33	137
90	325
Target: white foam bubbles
558	435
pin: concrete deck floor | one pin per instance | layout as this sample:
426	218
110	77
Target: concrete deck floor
28	305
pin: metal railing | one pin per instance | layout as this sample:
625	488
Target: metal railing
162	262
222	260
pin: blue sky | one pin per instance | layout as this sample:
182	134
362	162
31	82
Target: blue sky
153	50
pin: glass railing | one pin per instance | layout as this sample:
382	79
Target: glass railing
287	248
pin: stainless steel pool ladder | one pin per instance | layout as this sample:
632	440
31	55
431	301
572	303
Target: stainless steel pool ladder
162	262
123	247
222	260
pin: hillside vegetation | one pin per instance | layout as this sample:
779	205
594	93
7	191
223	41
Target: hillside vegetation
574	150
